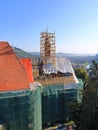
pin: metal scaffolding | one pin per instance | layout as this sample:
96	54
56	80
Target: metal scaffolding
47	47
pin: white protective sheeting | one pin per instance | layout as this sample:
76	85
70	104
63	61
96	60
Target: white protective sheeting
70	86
63	65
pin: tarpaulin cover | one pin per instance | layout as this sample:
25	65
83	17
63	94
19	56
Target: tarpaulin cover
71	86
63	65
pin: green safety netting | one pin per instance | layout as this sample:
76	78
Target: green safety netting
28	110
21	110
56	100
80	91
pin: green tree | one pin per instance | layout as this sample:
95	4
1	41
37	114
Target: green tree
89	114
81	73
94	69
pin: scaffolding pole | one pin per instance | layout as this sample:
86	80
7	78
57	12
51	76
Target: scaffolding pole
47	47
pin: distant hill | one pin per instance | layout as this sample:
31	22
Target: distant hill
34	53
21	53
61	54
96	57
74	58
71	54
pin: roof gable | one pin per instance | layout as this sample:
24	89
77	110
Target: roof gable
13	75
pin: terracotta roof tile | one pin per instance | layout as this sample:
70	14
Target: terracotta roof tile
26	62
13	75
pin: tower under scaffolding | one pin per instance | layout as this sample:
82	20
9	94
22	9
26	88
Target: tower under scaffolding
47	48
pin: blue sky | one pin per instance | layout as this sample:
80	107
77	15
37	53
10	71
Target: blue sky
75	23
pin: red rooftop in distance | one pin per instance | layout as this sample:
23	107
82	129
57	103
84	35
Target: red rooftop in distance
13	75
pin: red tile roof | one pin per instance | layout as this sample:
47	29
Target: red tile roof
26	62
13	75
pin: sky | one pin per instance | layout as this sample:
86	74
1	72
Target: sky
75	23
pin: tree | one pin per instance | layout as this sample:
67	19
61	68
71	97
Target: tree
94	69
89	114
81	73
